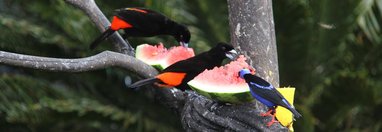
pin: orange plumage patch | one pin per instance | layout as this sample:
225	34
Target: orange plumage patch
117	24
171	78
136	9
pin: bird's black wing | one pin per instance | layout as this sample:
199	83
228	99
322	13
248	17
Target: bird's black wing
268	93
141	19
197	63
194	66
189	66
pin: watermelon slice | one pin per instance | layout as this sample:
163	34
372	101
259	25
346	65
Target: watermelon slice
160	57
223	83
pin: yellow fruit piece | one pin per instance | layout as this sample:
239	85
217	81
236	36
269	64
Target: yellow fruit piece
282	114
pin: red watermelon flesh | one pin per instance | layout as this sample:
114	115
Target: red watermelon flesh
160	57
176	54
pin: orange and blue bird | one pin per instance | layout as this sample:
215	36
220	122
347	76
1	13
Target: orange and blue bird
265	93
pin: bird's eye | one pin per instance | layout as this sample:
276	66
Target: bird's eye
223	48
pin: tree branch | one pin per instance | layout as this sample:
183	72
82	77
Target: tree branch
172	98
102	60
95	14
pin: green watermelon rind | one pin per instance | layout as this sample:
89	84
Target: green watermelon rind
234	97
158	67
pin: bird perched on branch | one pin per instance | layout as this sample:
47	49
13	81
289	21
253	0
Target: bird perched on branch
178	74
266	94
140	22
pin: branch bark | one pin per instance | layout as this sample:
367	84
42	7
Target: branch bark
102	60
98	18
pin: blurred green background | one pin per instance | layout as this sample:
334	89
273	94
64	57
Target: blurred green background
329	50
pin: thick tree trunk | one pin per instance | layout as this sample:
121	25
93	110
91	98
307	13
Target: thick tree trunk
253	33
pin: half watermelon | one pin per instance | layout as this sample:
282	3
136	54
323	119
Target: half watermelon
223	84
160	57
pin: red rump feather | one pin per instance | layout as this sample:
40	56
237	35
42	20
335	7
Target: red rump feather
117	24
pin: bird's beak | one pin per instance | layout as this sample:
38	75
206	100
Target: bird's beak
185	45
232	54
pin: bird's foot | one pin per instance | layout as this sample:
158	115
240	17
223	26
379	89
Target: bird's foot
272	121
268	113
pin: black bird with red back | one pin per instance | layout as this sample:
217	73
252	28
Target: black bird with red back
141	22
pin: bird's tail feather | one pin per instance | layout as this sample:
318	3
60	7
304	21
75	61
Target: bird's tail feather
103	36
287	105
143	82
295	113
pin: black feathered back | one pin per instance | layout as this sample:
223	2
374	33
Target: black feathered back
195	65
